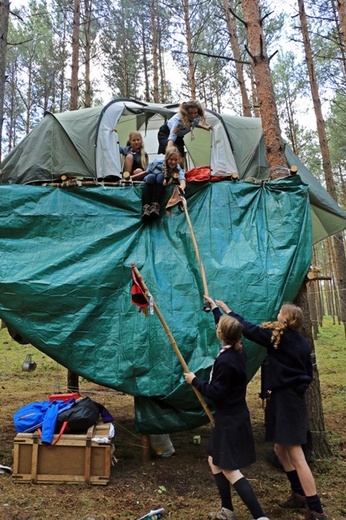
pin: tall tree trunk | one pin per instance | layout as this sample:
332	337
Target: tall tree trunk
75	56
275	148
62	69
276	157
312	307
162	65
327	167
341	6
12	126
255	102
28	96
4	17
154	49
145	60
316	425
188	34
341	36
233	37
291	124
87	14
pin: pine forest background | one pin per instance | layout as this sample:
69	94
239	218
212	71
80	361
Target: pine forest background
60	55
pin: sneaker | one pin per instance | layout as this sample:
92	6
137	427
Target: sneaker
146	211
312	515
294	501
222	514
155	209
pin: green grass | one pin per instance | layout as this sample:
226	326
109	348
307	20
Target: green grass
331	361
330	352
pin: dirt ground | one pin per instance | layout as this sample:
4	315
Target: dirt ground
182	484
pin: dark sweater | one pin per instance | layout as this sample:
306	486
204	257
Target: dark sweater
227	388
290	364
137	157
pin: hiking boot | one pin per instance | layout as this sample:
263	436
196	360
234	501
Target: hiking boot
155	209
294	501
222	514
313	515
146	212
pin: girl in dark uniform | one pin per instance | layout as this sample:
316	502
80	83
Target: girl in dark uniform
136	158
289	375
231	445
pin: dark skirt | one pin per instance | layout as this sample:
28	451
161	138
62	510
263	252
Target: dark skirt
162	137
286	417
231	444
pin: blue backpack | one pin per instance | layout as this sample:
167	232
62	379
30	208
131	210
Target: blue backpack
42	415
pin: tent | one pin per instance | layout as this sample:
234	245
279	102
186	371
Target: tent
66	253
85	144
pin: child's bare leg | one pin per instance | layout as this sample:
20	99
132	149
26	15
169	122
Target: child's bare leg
128	163
306	478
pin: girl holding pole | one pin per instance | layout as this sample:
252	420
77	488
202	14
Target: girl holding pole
231	445
289	375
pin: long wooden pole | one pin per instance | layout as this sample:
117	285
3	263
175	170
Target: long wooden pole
173	342
195	245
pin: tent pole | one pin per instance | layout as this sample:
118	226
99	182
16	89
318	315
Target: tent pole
173	342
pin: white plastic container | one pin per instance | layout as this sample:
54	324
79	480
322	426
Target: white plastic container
162	445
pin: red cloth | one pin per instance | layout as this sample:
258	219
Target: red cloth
202	174
137	294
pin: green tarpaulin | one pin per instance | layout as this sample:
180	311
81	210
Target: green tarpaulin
66	258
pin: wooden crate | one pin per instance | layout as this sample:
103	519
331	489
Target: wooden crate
74	459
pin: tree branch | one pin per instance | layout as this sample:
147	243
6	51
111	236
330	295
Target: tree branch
249	53
227	58
265	16
19	43
16	15
237	17
272	55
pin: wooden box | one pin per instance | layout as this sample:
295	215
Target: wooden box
75	459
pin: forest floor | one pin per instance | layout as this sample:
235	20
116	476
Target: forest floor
182	484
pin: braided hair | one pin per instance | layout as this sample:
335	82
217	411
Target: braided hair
170	175
291	318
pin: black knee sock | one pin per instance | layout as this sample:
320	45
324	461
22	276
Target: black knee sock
224	489
246	493
314	503
295	482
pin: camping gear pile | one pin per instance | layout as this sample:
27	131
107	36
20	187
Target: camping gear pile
62	440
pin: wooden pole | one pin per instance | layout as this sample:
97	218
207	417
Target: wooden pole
173	342
194	241
145	440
